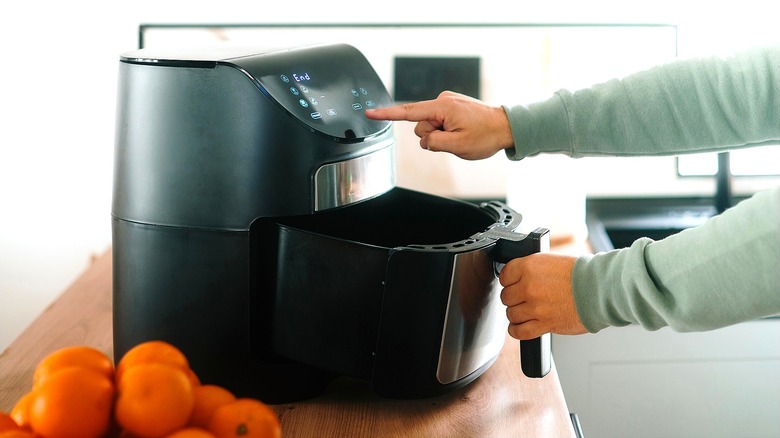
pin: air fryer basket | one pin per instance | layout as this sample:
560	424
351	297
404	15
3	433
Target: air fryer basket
363	290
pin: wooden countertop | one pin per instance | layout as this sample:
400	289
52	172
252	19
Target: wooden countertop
501	403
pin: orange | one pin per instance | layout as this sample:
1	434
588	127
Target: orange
7	423
152	352
21	411
194	379
72	403
191	432
245	418
207	399
17	434
154	400
80	356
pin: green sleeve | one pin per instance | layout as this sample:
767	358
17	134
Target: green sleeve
720	273
687	106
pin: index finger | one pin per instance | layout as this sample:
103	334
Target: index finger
412	112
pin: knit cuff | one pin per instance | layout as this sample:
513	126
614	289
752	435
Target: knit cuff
542	127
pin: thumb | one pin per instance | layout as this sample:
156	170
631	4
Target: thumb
436	140
527	330
444	141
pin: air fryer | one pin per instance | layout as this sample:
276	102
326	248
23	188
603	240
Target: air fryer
257	226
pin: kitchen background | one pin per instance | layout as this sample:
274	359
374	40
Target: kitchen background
58	91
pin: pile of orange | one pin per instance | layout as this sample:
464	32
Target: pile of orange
151	393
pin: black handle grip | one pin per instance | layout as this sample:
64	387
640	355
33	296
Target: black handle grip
535	356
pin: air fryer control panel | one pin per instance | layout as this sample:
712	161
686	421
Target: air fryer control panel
329	95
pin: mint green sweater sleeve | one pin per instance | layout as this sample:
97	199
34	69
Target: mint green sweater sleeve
723	272
688	106
720	273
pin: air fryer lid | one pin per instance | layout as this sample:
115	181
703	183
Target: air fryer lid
213	138
303	81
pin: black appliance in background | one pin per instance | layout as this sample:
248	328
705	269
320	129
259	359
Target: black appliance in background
257	226
423	78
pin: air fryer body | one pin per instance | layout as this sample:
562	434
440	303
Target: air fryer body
256	225
202	150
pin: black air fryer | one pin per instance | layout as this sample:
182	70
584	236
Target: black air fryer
257	226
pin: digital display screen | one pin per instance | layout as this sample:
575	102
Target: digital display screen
328	101
301	77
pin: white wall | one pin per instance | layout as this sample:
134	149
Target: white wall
57	93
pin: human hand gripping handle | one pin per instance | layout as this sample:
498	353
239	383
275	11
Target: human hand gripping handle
454	123
535	355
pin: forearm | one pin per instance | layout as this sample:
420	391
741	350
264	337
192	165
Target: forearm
723	272
688	106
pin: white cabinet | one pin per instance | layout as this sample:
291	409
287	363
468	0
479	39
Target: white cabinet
629	382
